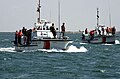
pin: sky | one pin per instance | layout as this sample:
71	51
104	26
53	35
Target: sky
77	14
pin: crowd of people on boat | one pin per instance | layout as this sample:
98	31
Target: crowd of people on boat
98	32
25	34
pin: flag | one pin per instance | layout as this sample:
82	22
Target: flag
38	9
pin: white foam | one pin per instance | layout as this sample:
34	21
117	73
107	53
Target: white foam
8	49
83	43
48	50
71	42
103	71
108	44
117	42
75	49
69	50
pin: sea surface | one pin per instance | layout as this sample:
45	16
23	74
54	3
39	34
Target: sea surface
80	61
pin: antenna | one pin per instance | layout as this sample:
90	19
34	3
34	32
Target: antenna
97	17
50	15
110	18
38	10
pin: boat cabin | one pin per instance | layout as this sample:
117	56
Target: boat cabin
42	30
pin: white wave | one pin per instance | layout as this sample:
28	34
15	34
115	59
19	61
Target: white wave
71	42
108	44
27	51
50	50
75	49
103	71
69	50
8	49
83	43
117	42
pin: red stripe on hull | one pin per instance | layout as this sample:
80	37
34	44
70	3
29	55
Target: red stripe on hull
104	39
46	45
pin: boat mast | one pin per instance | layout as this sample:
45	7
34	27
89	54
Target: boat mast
110	18
97	17
38	10
59	17
109	14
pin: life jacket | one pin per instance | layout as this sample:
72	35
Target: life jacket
20	33
91	32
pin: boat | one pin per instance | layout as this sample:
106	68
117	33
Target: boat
101	34
42	37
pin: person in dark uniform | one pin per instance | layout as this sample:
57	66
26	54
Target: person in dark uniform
113	30
29	33
107	31
24	31
102	31
63	29
86	31
52	29
16	38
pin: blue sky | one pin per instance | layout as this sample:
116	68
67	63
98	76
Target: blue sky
77	14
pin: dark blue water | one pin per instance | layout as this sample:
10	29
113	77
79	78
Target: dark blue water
101	61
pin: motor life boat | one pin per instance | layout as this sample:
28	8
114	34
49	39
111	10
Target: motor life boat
42	37
97	38
101	34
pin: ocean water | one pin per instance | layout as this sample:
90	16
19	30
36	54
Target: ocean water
80	61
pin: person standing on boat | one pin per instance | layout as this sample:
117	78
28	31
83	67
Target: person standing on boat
52	29
102	31
113	30
99	30
86	31
24	31
107	31
63	29
29	33
16	38
19	37
83	35
91	34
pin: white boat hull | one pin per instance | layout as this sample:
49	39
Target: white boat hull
101	39
45	44
21	48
